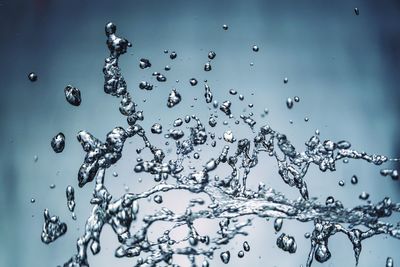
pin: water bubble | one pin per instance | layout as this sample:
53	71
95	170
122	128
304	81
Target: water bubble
53	228
286	243
207	66
178	122
174	98
58	143
144	63
389	262
289	103
70	194
158	199
225	27
211	55
232	92
228	136
364	195
173	55
72	95
255	48
32	77
225	256
356	11
161	78
212	121
156	128
193	82
278	224
285	80
246	246
145	85
354	179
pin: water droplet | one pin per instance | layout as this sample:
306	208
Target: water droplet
144	63
207	66
193	82
173	55
225	256
228	136
211	55
225	27
174	98
33	200
240	254
341	183
285	80
52	186
161	78
296	99
32	77
72	95
115	174
286	243
278	224
389	262
356	11
255	48
354	179
158	199
364	195
232	92
167	68
196	155
35	158
145	85
58	143
246	246
289	103
178	122
156	128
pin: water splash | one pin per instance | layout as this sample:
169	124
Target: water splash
230	196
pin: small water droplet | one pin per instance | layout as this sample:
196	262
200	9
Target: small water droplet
364	195
156	128
256	48
193	82
32	77
356	11
285	80
158	199
389	262
225	27
58	143
72	95
354	179
289	103
211	55
144	63
207	66
246	246
225	256
173	55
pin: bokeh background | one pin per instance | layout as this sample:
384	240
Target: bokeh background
344	68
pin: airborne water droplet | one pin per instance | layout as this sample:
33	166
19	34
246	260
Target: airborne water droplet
225	256
174	98
240	254
285	80
225	27
32	77
278	224
173	55
354	179
289	103
73	95
207	66
389	262
144	63
156	128
58	143
158	199
255	48
211	55
356	11
246	246
193	82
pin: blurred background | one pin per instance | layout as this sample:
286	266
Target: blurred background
343	67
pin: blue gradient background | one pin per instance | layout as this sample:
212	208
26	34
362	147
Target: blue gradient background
344	68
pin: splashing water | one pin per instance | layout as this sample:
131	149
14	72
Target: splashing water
230	196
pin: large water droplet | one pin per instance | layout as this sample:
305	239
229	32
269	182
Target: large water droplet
58	143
